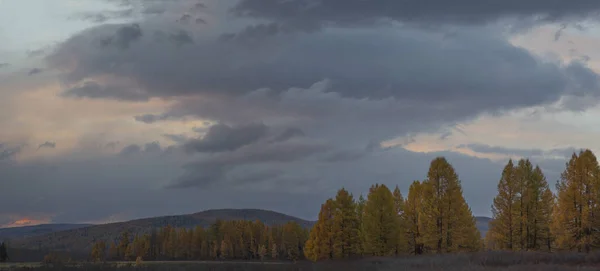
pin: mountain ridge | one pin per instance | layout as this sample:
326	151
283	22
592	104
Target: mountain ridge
81	238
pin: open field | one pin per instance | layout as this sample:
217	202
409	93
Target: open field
484	261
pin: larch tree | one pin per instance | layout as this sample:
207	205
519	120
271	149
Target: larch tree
449	225
360	207
502	232
321	238
412	215
399	203
380	222
577	210
346	232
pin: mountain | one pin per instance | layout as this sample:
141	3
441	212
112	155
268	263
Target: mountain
31	231
81	239
483	224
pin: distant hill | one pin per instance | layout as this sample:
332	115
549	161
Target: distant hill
31	231
483	224
81	239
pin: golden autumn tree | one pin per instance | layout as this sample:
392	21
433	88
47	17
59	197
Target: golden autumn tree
503	227
399	203
381	223
412	215
320	243
448	224
346	232
576	214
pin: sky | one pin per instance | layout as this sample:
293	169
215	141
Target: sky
119	109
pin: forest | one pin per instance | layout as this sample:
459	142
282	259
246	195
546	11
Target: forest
433	218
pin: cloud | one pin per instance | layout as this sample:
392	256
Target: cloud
4	65
176	138
301	13
124	36
483	148
287	134
47	144
95	90
222	138
35	71
7	153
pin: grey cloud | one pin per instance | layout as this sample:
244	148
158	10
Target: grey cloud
4	65
152	147
35	71
149	118
287	134
124	36
103	16
130	149
7	153
483	148
95	90
493	69
36	53
200	21
214	169
176	138
222	138
351	12
47	144
181	38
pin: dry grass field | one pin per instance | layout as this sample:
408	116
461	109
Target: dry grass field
484	261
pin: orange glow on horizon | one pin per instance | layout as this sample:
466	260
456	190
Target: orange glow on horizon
24	222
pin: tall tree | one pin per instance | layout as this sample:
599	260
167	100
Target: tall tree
576	215
321	238
399	203
346	232
380	222
505	217
413	209
449	225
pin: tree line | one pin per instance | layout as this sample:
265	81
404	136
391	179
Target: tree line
528	216
223	240
433	218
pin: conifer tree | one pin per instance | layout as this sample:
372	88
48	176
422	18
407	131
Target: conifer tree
360	206
399	203
380	222
321	239
413	209
449	225
346	234
576	215
505	217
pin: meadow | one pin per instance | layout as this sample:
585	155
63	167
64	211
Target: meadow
484	261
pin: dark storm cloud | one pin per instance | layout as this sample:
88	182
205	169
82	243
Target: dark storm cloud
222	138
215	169
95	90
181	38
130	149
47	144
483	148
124	36
409	65
288	134
351	12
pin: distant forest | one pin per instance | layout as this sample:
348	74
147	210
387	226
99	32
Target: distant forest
433	218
